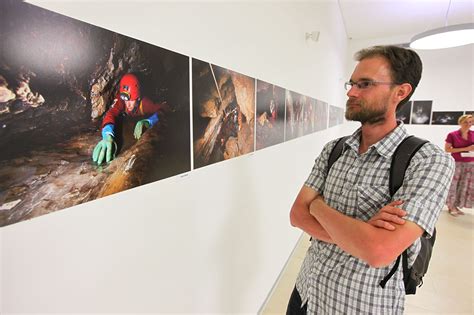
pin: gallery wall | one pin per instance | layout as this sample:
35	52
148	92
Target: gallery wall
211	240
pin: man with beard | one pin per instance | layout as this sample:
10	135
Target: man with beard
358	229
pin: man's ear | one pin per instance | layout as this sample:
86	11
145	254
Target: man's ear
404	90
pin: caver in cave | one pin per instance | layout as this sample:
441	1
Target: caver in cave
224	109
128	103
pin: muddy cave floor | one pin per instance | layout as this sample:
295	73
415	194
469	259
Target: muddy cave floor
48	180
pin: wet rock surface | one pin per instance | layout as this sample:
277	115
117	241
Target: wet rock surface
45	181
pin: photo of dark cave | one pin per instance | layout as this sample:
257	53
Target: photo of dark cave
295	114
421	112
71	92
309	116
404	112
445	118
223	113
321	113
270	115
336	115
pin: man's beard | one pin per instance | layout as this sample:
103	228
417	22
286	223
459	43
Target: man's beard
365	115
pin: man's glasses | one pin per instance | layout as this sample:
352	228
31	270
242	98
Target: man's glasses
364	84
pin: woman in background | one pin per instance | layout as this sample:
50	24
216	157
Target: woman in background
460	144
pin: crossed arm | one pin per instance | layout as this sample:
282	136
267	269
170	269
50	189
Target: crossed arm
448	147
378	241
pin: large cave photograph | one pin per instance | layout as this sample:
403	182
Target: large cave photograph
84	112
270	128
223	113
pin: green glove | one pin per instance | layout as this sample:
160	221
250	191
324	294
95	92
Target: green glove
137	133
105	148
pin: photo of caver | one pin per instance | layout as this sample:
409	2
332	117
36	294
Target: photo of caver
81	120
128	103
321	114
295	114
421	112
446	118
270	114
309	116
336	115
223	113
404	112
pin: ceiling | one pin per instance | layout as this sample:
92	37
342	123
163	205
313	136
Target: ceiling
365	19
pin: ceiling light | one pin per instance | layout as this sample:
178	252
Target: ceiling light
445	37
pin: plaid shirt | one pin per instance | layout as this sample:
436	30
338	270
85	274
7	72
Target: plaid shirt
332	281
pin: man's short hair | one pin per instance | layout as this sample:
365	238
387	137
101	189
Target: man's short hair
405	64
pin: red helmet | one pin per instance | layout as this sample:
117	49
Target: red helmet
129	87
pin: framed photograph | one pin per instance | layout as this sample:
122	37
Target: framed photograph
85	112
404	112
321	112
421	112
295	108
223	113
270	127
445	118
336	115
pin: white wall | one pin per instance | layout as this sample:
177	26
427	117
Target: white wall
216	239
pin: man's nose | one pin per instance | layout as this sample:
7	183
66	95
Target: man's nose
353	91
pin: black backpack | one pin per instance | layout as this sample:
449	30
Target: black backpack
412	277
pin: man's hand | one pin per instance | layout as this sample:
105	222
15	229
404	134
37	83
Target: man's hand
300	215
137	133
314	204
389	216
104	149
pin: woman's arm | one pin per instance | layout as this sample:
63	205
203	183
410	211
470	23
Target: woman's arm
448	147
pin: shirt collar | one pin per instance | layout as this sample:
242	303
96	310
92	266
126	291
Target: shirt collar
386	146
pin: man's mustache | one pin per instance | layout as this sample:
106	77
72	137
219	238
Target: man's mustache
352	102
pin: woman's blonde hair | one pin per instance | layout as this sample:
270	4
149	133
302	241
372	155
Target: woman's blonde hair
463	118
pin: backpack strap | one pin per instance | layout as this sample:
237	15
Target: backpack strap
391	273
336	151
400	160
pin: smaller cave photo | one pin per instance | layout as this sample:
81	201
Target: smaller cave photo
446	118
270	115
404	112
223	113
297	110
336	115
84	112
421	112
321	113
